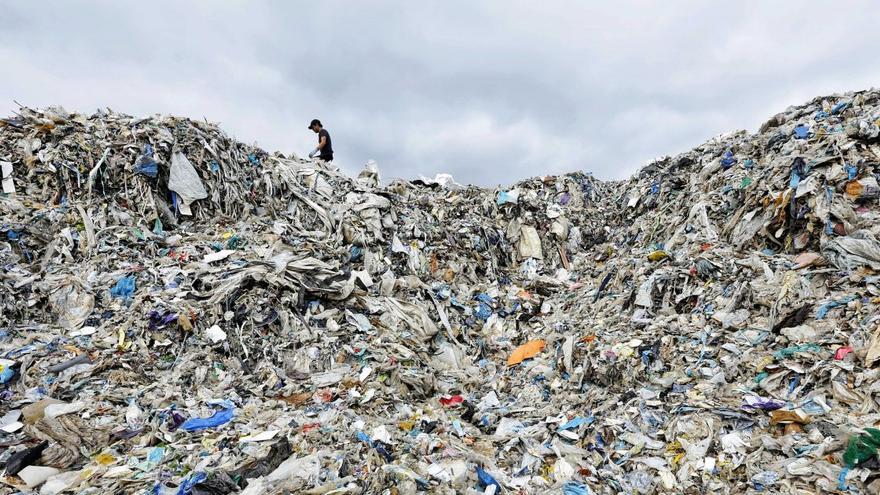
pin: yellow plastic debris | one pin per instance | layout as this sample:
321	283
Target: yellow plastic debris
658	255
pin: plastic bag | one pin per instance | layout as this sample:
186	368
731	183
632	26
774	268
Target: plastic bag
862	447
574	488
728	160
72	304
124	287
505	197
801	131
486	480
186	487
8	186
220	417
185	181
145	164
575	422
530	243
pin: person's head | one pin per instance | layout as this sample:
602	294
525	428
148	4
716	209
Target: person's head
316	125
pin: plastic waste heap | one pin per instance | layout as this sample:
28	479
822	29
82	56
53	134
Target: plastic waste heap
181	313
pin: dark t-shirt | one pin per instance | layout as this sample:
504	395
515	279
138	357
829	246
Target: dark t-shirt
327	150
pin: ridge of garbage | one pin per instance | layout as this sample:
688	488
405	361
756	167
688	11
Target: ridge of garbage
184	313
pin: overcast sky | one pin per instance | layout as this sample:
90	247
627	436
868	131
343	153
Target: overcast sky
490	92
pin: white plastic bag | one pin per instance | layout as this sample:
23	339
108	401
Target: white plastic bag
185	181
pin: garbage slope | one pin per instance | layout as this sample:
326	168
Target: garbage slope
184	313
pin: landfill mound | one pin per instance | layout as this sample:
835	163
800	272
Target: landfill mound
187	314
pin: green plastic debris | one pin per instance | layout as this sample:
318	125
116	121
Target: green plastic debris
745	183
236	242
862	447
795	349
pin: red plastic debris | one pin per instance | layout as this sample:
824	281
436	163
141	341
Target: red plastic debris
451	401
310	426
842	352
323	396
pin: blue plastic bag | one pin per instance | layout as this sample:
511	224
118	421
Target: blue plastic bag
145	163
220	417
188	484
148	168
507	197
486	298
575	422
363	437
841	480
6	373
486	479
801	132
851	171
154	457
727	160
124	287
382	448
839	107
484	311
356	254
575	488
823	310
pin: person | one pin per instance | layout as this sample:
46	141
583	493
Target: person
324	151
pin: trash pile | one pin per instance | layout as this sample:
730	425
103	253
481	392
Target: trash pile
186	314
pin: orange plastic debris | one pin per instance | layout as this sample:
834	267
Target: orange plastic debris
781	417
528	350
854	188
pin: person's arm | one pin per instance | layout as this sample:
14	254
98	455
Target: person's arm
321	142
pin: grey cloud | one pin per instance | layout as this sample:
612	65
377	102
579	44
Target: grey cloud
491	92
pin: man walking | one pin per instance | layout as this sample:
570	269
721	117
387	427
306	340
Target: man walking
324	151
